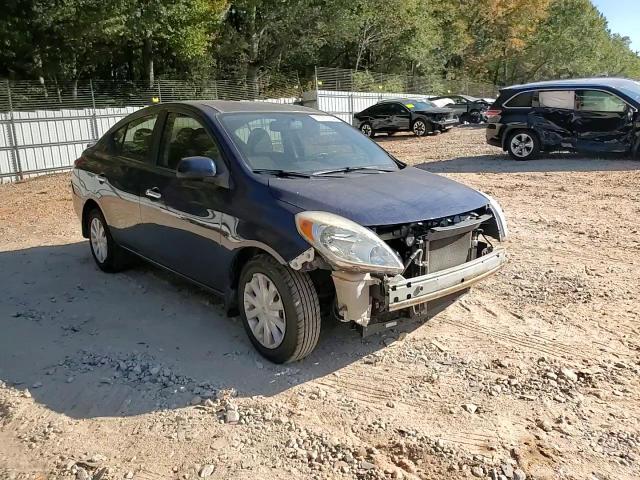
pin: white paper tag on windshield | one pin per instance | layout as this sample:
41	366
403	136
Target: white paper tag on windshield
325	118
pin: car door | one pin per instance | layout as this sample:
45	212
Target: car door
124	157
381	117
400	118
603	122
552	117
182	217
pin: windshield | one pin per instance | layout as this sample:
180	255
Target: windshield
419	105
632	89
303	143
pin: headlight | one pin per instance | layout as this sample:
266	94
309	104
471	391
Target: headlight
347	245
501	220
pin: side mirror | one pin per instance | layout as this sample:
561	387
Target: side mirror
196	168
203	168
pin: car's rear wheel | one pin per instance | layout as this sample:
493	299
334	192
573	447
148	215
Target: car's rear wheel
367	130
523	145
279	309
475	117
420	128
108	255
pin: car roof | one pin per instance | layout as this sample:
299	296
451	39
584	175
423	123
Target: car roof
234	106
611	82
401	100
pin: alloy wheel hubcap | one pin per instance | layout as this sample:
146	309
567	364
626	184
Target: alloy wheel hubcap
419	128
522	145
366	129
264	311
99	240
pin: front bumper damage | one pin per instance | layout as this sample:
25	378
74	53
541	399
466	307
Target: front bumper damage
354	290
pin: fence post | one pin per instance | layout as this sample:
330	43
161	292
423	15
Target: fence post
13	139
159	92
94	117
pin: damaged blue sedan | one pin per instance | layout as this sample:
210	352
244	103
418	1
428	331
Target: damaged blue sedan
290	214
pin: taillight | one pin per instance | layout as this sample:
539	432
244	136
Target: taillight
493	112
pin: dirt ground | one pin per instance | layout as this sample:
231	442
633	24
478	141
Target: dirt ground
533	375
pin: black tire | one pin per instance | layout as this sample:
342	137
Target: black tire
464	118
421	127
367	130
116	258
523	145
301	307
475	117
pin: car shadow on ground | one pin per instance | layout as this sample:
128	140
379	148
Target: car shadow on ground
66	326
554	162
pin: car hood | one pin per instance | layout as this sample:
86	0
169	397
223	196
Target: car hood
434	110
376	199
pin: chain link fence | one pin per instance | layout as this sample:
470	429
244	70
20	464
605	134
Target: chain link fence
45	127
337	79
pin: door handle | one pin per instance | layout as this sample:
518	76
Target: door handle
101	179
153	193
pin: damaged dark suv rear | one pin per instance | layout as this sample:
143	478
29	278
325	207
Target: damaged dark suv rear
588	115
288	213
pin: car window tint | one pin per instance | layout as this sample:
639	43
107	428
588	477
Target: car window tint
137	139
184	137
112	142
557	99
397	109
521	100
596	101
385	109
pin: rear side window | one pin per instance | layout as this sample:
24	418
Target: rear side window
521	100
597	101
111	144
137	139
564	99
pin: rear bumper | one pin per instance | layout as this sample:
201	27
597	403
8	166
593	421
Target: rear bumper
407	292
493	135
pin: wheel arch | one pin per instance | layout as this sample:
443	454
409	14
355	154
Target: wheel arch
515	127
241	257
88	206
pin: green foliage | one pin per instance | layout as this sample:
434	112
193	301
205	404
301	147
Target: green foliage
441	41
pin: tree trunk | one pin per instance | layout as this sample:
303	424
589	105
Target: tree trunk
147	60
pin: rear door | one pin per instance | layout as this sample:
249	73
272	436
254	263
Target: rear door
381	117
124	157
552	117
400	118
603	122
182	217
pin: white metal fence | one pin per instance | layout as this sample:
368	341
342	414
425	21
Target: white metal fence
45	128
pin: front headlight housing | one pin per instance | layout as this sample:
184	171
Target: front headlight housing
347	245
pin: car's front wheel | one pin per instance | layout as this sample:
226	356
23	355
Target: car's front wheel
420	128
367	130
279	309
523	145
108	255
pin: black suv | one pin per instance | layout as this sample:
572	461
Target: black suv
469	109
590	115
404	114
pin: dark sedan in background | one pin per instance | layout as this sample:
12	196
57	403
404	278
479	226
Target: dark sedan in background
469	109
404	115
288	213
587	115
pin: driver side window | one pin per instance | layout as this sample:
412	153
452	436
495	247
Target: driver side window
184	137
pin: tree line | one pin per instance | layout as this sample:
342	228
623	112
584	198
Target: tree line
497	41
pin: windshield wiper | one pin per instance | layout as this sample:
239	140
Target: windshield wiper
281	173
352	169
